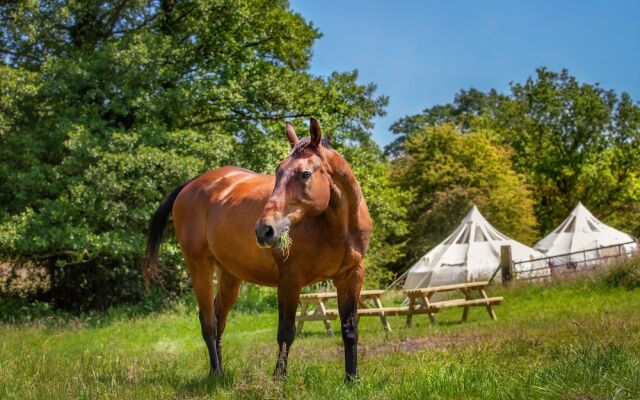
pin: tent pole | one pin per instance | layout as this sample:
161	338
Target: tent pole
506	264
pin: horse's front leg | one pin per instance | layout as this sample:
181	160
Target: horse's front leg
348	285
288	296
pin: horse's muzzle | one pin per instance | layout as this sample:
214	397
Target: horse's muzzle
265	235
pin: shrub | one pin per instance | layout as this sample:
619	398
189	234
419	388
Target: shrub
625	274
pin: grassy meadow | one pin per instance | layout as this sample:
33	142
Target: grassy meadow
577	339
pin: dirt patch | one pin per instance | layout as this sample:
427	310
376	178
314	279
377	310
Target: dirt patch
408	345
412	345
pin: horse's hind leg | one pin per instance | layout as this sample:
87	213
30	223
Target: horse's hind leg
228	291
201	270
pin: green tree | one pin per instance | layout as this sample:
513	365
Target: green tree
573	142
107	105
447	171
576	142
467	106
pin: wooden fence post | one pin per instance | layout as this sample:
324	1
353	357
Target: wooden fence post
506	265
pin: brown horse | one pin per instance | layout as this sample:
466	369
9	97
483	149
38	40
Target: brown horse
307	223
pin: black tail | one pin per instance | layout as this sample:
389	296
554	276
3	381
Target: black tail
157	229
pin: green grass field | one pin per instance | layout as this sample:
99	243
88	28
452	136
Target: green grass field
571	340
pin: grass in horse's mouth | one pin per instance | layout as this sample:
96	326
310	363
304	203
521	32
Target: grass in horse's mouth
283	241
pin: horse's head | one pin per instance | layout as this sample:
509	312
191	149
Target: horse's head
303	187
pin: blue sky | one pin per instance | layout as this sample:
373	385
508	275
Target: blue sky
421	53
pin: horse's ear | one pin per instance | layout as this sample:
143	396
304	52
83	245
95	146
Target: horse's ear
291	135
315	131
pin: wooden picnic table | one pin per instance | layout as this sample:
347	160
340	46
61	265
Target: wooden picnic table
420	300
314	305
369	300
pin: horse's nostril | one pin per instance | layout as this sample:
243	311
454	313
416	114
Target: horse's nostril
268	232
264	231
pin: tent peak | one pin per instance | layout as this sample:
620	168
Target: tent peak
475	211
581	209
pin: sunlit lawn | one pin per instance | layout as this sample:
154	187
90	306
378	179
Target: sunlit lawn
577	340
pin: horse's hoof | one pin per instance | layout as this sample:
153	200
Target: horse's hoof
350	378
279	377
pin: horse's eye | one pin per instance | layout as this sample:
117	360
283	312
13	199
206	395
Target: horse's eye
306	175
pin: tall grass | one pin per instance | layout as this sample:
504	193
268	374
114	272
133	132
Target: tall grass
577	339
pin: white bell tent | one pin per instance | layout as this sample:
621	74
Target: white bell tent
586	236
471	252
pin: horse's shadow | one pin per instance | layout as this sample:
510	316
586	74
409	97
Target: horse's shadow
317	334
200	385
204	384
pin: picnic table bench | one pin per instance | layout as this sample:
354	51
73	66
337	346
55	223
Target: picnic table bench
314	305
420	300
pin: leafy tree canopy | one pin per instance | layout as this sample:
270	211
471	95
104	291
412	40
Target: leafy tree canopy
107	105
572	141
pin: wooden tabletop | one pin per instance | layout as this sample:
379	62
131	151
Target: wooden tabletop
334	295
468	285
